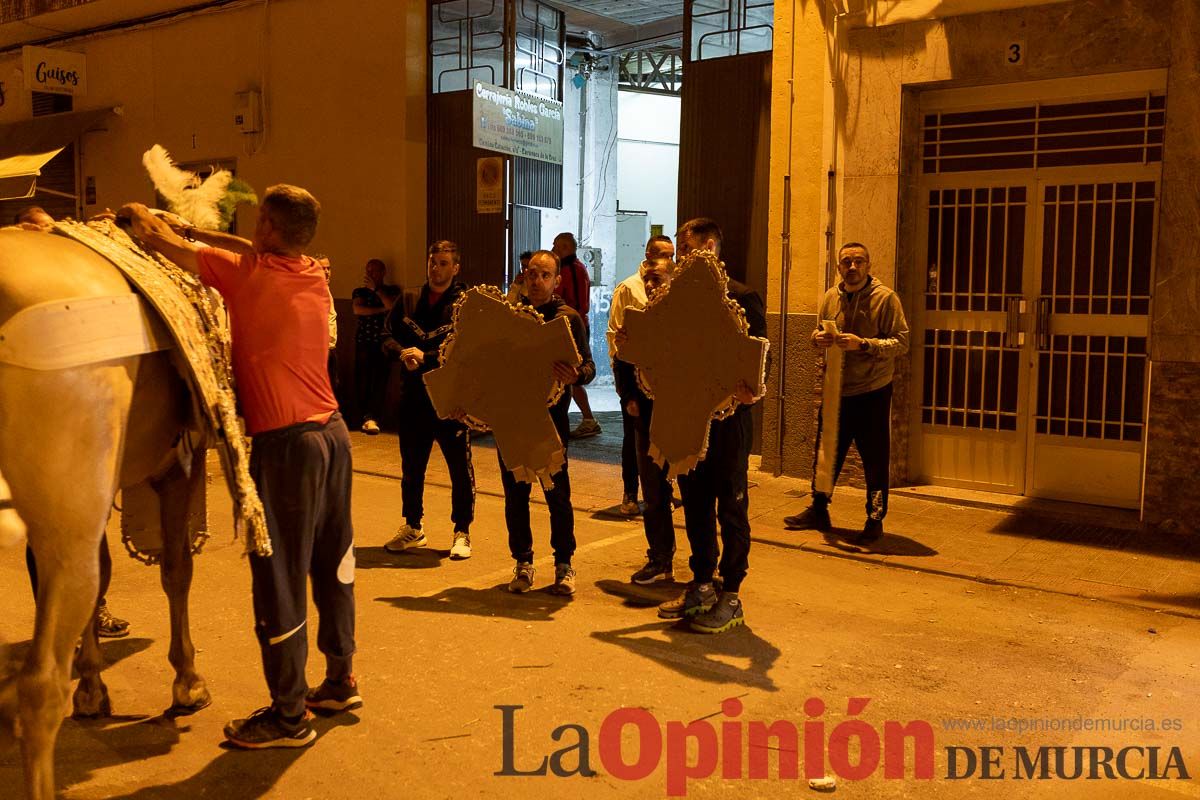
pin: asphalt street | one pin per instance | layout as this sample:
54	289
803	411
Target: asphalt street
442	646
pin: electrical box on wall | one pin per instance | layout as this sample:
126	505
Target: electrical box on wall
247	111
592	259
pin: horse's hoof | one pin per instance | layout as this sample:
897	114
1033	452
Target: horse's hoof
187	709
92	711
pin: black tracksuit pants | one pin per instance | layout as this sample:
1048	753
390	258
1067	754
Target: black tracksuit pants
629	454
371	371
716	492
866	421
558	498
420	427
656	490
303	477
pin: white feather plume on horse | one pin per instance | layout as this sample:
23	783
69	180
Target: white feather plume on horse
187	195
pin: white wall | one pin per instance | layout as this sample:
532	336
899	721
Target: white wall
594	156
648	156
345	116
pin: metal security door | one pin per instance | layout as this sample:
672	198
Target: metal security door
1036	239
1092	321
972	416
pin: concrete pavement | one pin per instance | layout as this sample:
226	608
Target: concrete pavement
1065	548
443	649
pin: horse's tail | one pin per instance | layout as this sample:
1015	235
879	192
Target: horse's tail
12	529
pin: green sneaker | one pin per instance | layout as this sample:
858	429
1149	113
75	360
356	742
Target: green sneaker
726	613
696	599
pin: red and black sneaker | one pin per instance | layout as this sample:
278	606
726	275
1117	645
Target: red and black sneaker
268	728
336	697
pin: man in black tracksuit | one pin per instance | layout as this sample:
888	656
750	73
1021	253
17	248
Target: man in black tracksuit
541	279
716	490
414	335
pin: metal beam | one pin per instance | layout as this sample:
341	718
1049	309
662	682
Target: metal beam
878	13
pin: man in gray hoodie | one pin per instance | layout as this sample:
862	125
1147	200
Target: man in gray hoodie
873	333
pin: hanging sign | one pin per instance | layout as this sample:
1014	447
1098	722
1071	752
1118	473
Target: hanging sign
489	185
517	123
55	71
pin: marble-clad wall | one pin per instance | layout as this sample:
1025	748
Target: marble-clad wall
881	67
1177	280
1173	447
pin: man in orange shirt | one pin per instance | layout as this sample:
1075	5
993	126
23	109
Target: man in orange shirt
278	306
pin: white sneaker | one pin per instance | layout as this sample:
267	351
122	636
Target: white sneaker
406	538
370	427
462	545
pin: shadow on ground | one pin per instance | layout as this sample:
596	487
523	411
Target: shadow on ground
634	596
113	650
1178	600
704	657
417	558
1035	525
536	606
237	774
614	512
892	544
699	655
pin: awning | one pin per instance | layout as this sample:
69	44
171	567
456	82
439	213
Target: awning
26	147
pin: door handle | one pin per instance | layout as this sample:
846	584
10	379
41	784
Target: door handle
1014	337
1043	323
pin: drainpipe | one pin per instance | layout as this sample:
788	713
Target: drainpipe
785	260
583	104
840	11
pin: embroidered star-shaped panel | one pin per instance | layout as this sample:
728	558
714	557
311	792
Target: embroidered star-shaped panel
692	348
497	365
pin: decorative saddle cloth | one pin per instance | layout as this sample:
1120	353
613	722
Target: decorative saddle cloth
201	339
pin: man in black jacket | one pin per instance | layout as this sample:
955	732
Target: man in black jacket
716	490
414	335
541	279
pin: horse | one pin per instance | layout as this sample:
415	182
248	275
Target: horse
70	438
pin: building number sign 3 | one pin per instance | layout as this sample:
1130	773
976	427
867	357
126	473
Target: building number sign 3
1014	53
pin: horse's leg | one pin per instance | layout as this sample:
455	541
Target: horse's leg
176	492
91	695
68	579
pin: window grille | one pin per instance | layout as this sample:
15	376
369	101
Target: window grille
1093	387
1098	247
976	246
466	44
970	380
720	28
539	57
1124	131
